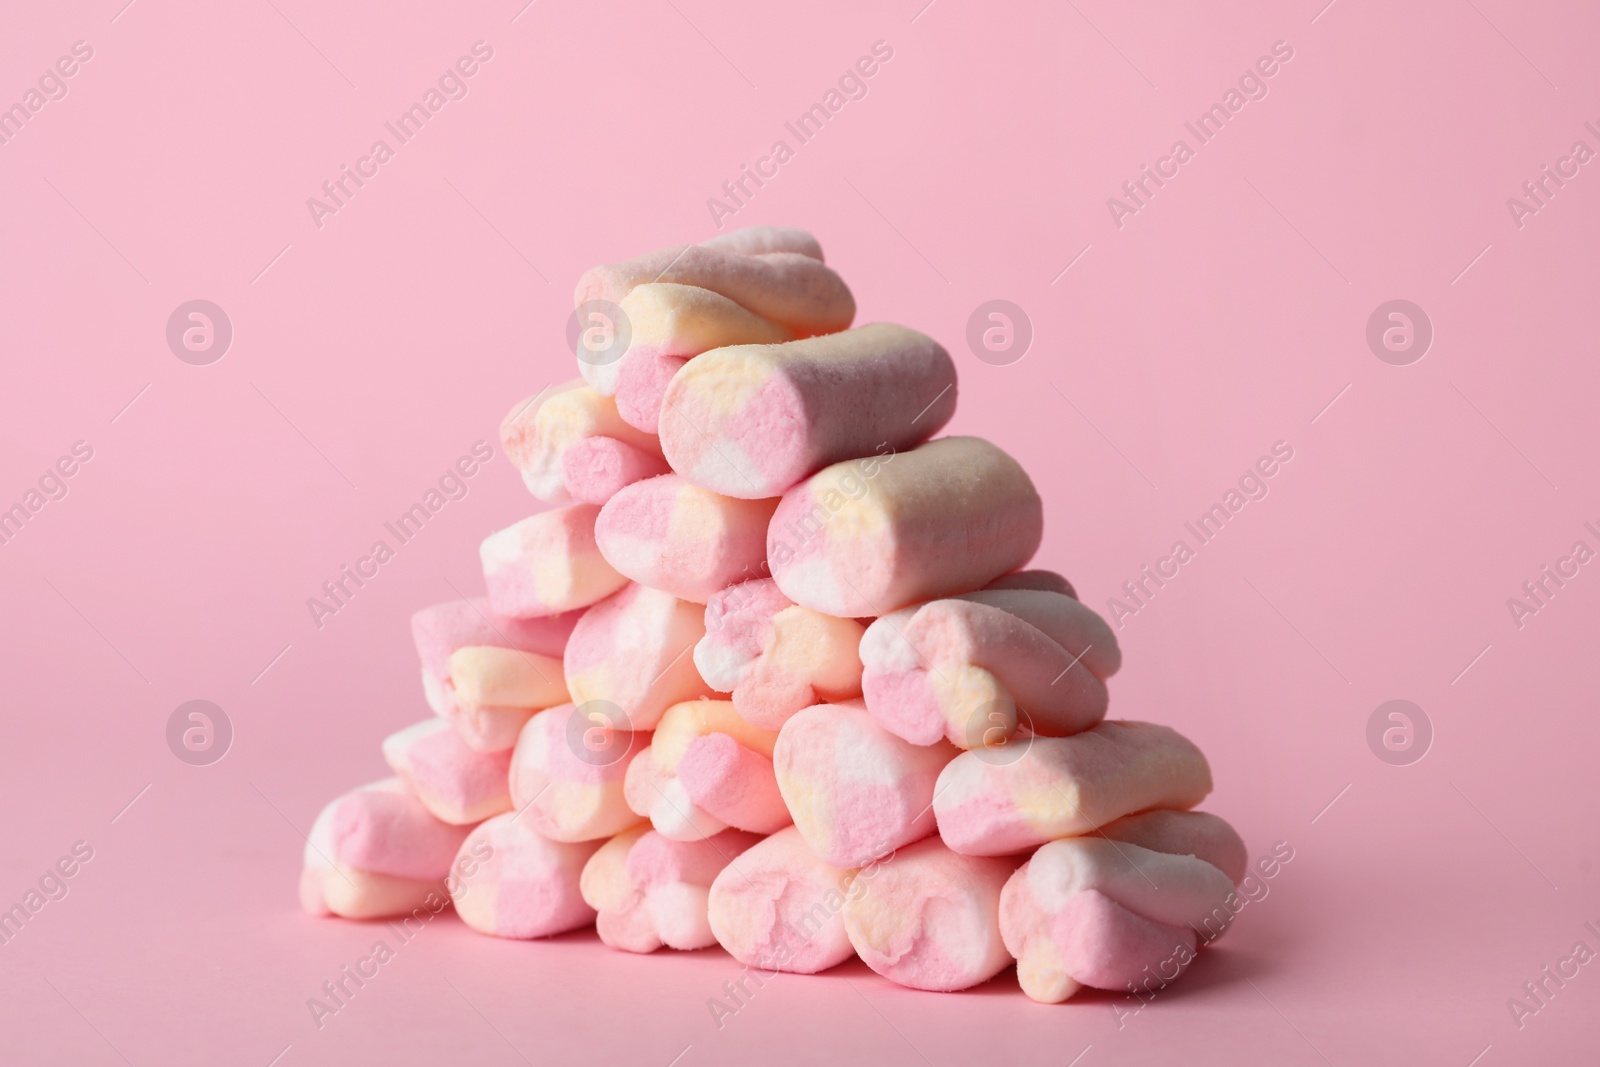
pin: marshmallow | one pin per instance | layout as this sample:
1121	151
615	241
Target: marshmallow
706	769
929	918
567	772
1087	911
779	907
970	668
1048	581
376	852
1050	787
497	690
759	240
855	790
597	468
775	656
441	629
795	291
753	420
668	325
670	535
510	882
1185	833
868	536
633	650
455	783
542	434
547	564
651	892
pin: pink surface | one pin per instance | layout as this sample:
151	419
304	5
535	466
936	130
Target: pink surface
1168	355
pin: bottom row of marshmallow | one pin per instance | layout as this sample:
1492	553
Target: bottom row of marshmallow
1136	899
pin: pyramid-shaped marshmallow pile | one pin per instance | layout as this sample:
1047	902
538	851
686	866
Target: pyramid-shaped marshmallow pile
770	674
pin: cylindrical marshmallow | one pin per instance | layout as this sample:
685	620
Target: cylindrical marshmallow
681	539
439	630
540	433
1096	912
499	689
567	775
633	650
597	468
972	668
650	891
929	918
547	564
869	536
1050	787
509	881
454	781
775	656
376	852
753	420
706	769
855	790
779	907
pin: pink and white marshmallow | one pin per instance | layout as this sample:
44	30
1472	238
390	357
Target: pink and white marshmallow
497	690
971	668
929	918
569	444
547	564
780	907
774	656
455	782
753	420
376	852
991	804
567	774
855	790
633	650
706	769
440	630
509	881
650	891
869	536
670	535
1093	911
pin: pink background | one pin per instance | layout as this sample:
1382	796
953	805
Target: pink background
1223	317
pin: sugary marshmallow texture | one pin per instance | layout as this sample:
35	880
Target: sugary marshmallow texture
567	773
557	438
670	535
547	564
497	690
1043	788
972	668
455	782
855	790
1090	911
753	420
774	656
930	918
706	769
439	630
509	881
779	907
632	652
868	536
650	891
376	852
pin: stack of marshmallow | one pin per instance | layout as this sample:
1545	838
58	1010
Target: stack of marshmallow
770	674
